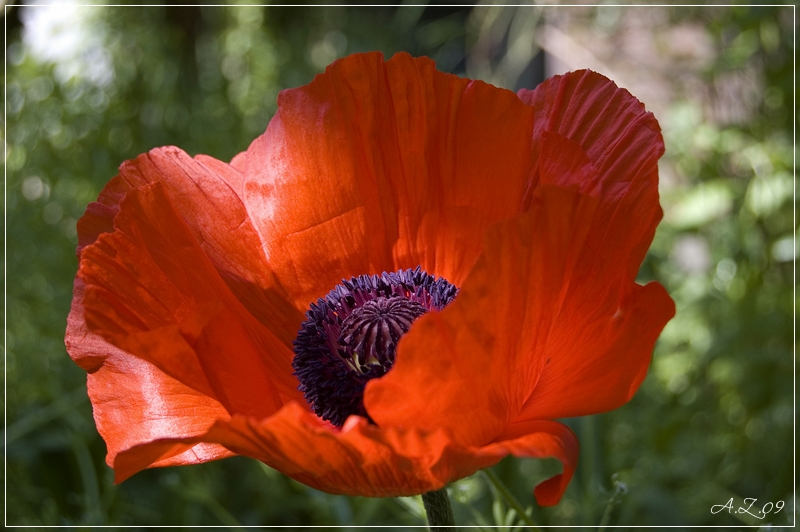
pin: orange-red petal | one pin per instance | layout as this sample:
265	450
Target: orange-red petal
384	165
206	194
364	460
135	403
608	350
471	367
608	324
544	439
151	291
548	323
623	143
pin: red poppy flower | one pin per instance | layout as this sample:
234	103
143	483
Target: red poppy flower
537	209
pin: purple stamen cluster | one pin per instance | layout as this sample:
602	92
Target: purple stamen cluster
350	336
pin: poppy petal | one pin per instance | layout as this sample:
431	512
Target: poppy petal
134	402
151	291
364	460
620	138
608	354
99	215
480	357
584	120
360	460
377	166
123	394
87	350
544	439
206	194
609	123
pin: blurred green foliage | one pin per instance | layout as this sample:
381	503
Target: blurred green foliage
713	420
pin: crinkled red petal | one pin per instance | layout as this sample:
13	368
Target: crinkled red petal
206	194
471	367
377	166
363	460
151	291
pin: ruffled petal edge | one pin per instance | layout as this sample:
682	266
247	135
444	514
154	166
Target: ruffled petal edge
364	460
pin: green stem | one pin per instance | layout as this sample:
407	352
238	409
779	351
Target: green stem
438	510
619	490
606	516
510	500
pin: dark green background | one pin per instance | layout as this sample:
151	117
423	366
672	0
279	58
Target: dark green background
713	420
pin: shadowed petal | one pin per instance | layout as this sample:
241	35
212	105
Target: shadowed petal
135	403
601	343
363	460
205	193
481	356
87	349
623	143
358	460
545	439
547	324
384	165
608	349
151	291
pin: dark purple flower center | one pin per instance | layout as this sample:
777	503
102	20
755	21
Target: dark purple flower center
350	336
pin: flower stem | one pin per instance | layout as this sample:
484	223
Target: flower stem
620	489
606	516
510	500
438	510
